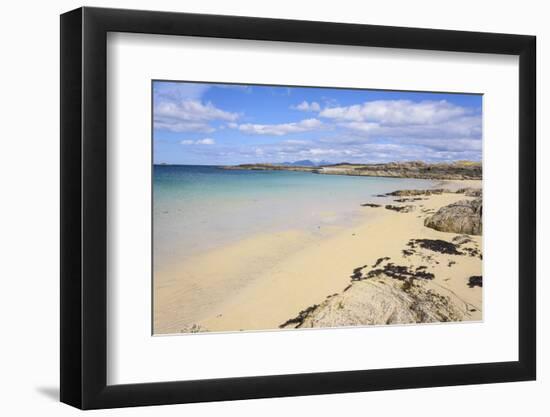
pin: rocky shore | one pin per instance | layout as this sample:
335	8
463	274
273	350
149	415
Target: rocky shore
460	170
406	290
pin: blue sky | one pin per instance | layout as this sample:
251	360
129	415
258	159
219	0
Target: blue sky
214	124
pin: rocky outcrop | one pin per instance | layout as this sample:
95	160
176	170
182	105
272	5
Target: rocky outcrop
409	200
459	170
403	291
389	295
464	216
409	193
400	209
470	192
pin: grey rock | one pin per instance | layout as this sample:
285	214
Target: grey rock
400	209
464	216
384	300
409	193
470	192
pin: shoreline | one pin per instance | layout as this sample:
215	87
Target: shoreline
274	278
458	170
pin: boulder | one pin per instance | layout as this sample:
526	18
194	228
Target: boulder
384	300
463	217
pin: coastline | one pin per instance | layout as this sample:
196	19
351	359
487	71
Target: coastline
458	170
267	280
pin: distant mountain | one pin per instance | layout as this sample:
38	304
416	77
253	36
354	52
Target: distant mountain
304	163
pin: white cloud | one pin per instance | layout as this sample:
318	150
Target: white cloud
376	131
319	151
175	126
466	126
193	110
305	106
451	145
188	116
278	129
205	141
396	112
179	91
367	127
296	142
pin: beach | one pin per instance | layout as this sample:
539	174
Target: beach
356	272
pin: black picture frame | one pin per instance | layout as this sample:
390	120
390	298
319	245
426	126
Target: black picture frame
84	207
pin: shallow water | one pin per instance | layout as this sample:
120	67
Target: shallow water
197	208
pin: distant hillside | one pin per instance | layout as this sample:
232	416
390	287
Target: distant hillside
458	170
413	169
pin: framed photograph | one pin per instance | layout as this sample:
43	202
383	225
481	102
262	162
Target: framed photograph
257	208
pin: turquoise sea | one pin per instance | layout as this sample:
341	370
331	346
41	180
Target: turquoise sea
197	208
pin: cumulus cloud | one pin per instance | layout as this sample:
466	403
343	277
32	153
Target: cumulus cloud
466	126
305	106
188	116
278	129
364	131
176	91
362	151
396	112
205	141
193	110
179	127
297	142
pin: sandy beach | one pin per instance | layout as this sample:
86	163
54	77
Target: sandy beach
295	279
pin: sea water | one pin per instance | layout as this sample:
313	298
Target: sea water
198	208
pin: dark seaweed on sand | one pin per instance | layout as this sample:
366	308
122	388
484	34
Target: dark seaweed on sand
435	245
400	272
475	281
299	319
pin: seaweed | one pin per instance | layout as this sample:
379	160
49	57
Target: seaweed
299	319
435	245
400	272
357	275
380	260
475	281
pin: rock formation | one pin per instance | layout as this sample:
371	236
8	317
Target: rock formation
464	216
385	297
400	209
